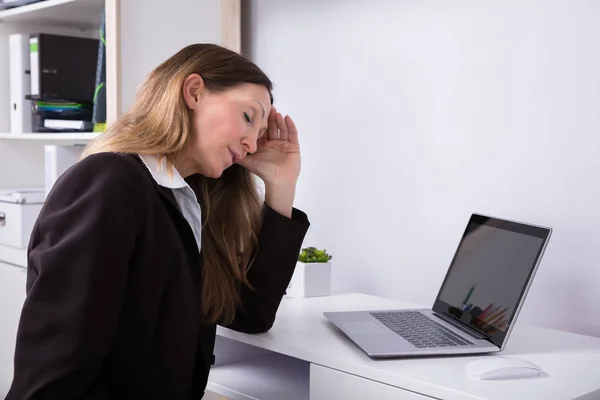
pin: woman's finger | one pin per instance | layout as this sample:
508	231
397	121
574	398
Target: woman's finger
283	130
292	130
272	133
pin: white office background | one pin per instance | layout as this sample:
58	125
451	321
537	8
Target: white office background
415	113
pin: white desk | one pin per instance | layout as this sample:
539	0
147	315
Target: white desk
305	357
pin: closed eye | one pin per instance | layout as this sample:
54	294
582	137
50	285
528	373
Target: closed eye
247	117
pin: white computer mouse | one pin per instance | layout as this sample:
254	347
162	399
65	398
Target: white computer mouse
501	367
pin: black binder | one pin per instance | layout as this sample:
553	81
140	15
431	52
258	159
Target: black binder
63	82
65	67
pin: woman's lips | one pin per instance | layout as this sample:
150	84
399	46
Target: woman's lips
235	157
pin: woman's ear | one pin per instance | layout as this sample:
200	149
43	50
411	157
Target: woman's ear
193	87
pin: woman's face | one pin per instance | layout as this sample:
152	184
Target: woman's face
225	126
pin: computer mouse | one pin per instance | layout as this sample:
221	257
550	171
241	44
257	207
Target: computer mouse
501	367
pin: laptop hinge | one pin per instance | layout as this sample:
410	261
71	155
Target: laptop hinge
466	329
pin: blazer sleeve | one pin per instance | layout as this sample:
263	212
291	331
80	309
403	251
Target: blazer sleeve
77	272
279	244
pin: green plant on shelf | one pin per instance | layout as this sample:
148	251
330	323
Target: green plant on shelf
314	255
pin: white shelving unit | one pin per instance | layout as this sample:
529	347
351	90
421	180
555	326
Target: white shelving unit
72	13
61	138
21	154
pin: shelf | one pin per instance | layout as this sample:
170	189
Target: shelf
270	377
62	138
12	255
85	14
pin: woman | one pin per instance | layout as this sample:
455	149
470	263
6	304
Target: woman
158	235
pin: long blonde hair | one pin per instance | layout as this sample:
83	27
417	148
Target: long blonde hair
159	123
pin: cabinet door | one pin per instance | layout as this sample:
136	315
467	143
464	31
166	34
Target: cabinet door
331	384
12	296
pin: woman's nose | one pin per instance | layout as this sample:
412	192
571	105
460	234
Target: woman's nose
250	145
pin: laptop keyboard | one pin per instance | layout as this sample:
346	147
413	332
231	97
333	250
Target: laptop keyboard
420	330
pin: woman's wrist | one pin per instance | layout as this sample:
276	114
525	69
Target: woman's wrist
280	197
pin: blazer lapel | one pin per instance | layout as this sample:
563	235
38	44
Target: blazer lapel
169	197
183	227
166	193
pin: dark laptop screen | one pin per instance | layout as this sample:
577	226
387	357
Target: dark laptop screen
490	273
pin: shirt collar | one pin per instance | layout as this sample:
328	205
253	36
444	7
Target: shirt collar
169	178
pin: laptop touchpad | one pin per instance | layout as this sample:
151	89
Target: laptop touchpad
361	327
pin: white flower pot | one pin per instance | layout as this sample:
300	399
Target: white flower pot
311	280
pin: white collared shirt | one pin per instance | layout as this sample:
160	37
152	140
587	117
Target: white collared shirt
184	195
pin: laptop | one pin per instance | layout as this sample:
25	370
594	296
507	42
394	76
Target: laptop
476	306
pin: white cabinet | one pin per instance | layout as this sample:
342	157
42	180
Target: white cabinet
330	384
12	296
16	222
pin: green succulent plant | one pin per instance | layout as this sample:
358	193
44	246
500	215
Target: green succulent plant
313	255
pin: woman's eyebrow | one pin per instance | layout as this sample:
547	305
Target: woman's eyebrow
261	106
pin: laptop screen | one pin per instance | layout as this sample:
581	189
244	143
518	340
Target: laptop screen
490	273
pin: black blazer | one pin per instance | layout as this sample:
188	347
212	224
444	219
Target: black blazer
112	308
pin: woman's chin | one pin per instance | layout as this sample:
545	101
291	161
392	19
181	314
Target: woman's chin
217	171
214	172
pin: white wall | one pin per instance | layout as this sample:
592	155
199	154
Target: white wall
151	39
415	113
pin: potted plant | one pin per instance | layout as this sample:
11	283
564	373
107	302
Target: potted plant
312	276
